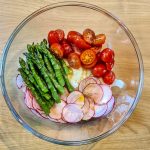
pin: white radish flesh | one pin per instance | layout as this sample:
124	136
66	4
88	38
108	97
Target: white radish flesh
56	110
94	92
100	110
86	106
72	113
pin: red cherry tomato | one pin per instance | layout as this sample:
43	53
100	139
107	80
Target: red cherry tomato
107	55
96	49
91	65
57	50
53	37
109	77
87	57
73	35
76	49
99	70
109	66
61	34
88	36
99	40
74	60
67	48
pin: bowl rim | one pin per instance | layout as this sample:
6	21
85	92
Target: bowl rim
21	25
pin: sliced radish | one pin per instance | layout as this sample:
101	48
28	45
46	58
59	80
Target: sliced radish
90	112
36	113
86	106
72	113
85	82
56	110
76	97
35	104
110	106
96	79
24	88
94	91
100	110
107	94
28	99
19	81
64	95
42	113
54	120
61	121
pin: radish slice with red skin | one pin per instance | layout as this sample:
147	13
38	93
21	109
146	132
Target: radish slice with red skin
94	91
35	104
86	106
19	81
100	110
54	120
36	113
72	113
110	106
64	95
107	94
42	113
56	110
61	121
85	82
90	112
24	88
28	99
96	79
76	97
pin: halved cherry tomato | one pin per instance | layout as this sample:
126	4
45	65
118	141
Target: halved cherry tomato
99	40
87	57
74	60
110	65
96	49
91	65
61	34
99	70
67	48
107	55
57	50
76	38
109	77
88	36
53	37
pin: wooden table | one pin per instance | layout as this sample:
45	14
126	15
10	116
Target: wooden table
135	133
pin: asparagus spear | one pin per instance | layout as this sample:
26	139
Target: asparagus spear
45	107
45	75
31	78
66	69
43	49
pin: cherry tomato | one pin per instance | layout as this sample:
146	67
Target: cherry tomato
109	77
76	49
88	36
99	40
67	48
74	60
53	37
76	38
99	70
107	55
96	49
91	65
87	57
61	34
110	65
57	50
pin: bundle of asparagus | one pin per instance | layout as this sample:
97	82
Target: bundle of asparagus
45	75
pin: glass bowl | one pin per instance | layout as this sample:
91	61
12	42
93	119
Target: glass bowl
128	69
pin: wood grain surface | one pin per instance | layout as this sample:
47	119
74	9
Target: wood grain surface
135	133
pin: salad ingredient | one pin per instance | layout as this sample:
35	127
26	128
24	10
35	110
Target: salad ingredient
57	50
86	106
60	34
19	81
67	48
94	92
65	67
53	37
56	110
107	94
88	36
28	99
110	65
74	60
107	55
64	95
90	65
35	104
87	57
76	49
72	35
96	49
110	106
99	110
109	77
72	113
99	70
99	40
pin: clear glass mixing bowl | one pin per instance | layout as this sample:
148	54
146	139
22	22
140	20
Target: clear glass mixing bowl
128	69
